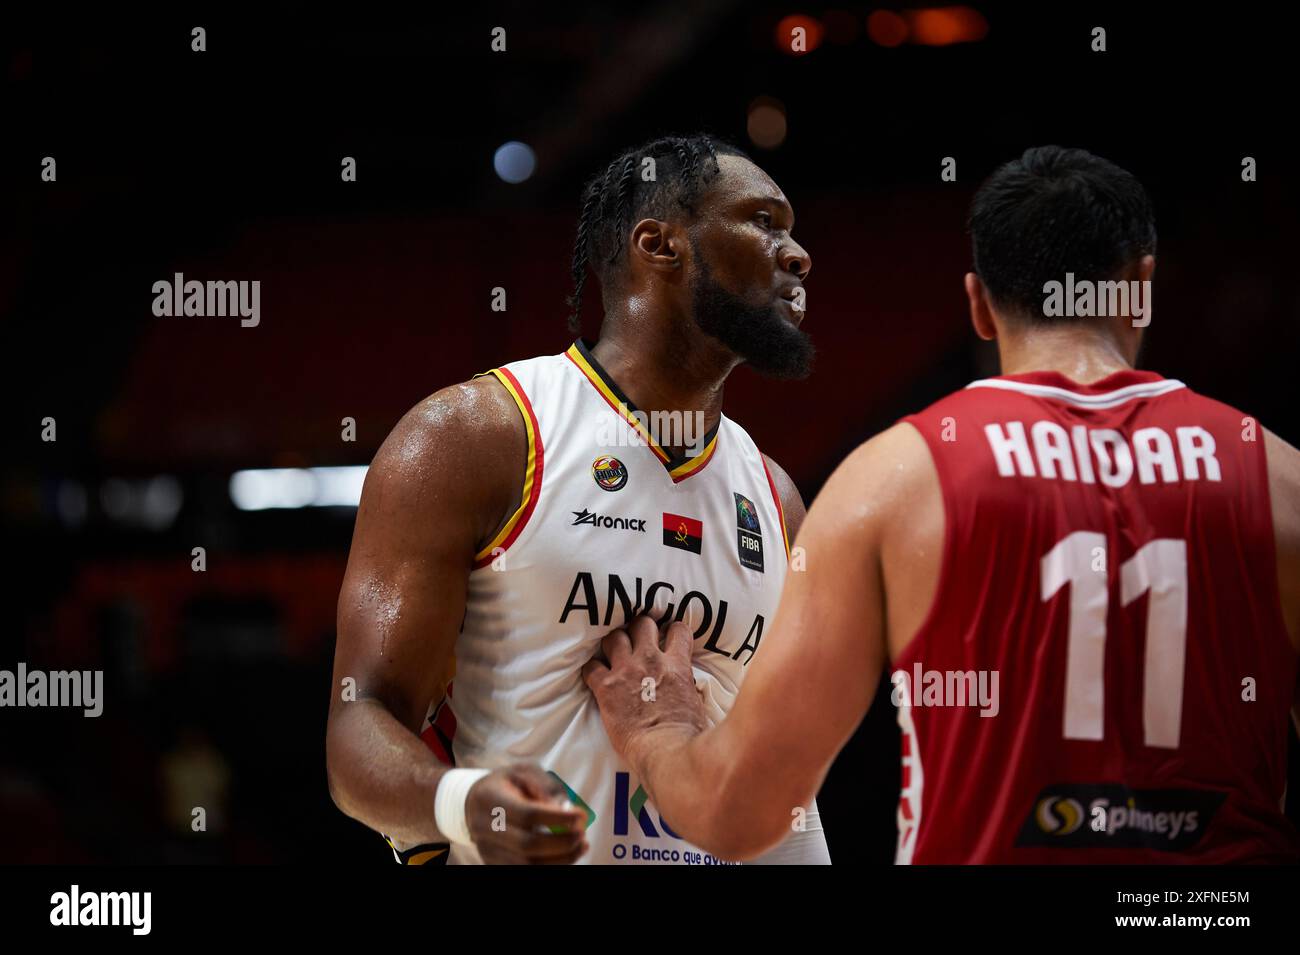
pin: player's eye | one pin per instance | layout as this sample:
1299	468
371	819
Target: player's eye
765	219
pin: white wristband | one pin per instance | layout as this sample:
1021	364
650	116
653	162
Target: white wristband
449	803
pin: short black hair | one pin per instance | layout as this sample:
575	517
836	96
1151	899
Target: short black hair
1056	210
619	196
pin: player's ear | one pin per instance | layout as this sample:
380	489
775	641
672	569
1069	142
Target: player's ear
653	245
1146	268
981	314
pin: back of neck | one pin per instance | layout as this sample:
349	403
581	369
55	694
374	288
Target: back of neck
1080	354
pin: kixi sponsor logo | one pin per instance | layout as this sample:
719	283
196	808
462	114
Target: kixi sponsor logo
628	807
575	798
633	806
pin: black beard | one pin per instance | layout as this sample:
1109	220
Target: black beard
759	334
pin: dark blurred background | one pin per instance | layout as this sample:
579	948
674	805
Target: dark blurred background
226	165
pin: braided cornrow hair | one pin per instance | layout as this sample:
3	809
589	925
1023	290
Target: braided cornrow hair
618	196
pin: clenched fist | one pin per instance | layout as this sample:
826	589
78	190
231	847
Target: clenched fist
521	815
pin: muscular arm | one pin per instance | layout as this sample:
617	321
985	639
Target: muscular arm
733	789
442	483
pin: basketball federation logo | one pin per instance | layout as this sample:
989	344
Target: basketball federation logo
610	473
749	536
746	513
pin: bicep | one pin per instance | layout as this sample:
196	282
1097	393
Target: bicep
399	611
418	526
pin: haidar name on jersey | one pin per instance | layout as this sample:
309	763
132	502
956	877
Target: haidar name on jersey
1046	449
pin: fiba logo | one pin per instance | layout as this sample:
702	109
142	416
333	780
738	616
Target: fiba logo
610	473
1058	816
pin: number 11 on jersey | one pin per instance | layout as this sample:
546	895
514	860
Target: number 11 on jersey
1160	567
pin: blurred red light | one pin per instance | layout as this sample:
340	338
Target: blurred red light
886	28
786	39
942	26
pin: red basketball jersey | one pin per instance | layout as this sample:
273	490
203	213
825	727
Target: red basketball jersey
1105	675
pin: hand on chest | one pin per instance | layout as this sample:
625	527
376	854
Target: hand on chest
623	540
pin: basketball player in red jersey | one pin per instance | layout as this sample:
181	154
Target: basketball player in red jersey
1102	564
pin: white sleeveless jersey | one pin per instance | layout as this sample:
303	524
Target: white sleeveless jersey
609	527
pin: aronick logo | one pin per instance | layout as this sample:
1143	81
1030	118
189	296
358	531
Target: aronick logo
585	516
218	299
1088	299
76	688
103	908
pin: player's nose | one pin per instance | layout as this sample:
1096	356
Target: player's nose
794	258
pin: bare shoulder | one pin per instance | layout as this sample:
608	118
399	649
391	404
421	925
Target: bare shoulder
469	418
884	474
1283	466
791	500
460	450
887	483
1284	492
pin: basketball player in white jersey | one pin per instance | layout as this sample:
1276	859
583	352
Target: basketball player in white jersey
508	523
